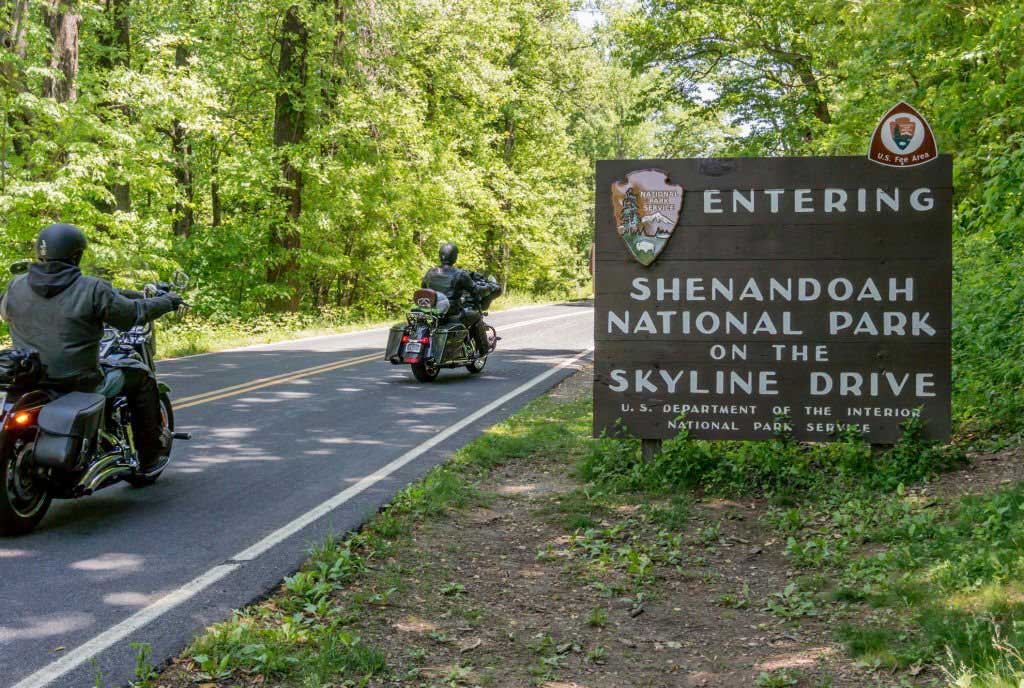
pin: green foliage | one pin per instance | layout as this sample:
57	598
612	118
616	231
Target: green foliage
145	672
420	122
308	656
812	77
945	584
578	510
947	580
777	679
782	468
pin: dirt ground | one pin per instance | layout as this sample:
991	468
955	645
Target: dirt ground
506	595
482	608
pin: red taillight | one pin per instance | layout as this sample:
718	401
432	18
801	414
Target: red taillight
405	339
425	340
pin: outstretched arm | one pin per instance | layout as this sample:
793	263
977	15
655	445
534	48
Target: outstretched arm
123	313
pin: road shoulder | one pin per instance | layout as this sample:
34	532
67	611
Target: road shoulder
501	569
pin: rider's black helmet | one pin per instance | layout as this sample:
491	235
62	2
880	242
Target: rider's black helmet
61	242
449	253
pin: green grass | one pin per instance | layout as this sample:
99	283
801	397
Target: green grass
674	514
1006	671
189	334
777	679
577	510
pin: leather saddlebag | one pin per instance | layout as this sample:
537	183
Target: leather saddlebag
67	429
394	341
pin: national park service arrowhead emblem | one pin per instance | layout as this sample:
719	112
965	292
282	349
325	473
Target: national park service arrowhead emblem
903	139
647	210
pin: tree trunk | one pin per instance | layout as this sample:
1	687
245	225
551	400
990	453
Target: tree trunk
63	21
184	215
813	88
289	130
116	40
14	44
13	39
116	37
215	190
497	251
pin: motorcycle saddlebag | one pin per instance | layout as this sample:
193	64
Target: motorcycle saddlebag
449	338
68	429
394	342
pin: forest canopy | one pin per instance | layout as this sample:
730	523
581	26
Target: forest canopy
813	77
302	155
310	155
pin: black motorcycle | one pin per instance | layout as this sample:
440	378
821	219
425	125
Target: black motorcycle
434	335
56	445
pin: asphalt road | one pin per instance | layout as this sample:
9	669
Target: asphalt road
292	441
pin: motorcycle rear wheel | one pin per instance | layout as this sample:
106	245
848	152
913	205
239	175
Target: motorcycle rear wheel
167	421
23	499
424	373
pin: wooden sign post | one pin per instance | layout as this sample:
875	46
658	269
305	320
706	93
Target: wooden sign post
738	298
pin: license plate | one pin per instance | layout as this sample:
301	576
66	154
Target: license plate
413	348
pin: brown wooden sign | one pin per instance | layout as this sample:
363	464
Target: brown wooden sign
809	294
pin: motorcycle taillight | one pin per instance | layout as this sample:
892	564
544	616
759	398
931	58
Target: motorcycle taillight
21	419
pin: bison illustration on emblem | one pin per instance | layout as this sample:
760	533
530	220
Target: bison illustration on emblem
647	209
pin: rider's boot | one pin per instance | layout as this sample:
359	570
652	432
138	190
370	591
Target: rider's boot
154	458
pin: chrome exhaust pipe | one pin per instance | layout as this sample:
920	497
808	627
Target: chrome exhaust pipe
106	469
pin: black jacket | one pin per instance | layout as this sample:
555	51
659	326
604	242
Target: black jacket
450	281
59	312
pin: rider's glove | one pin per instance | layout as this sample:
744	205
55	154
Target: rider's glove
176	301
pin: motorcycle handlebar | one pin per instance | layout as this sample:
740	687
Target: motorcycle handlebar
162	288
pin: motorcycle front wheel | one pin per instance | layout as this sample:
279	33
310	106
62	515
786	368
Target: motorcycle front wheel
24	499
167	425
425	373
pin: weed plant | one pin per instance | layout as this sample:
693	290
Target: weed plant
936	582
780	468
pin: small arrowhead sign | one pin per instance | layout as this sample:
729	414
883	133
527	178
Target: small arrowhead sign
903	139
646	209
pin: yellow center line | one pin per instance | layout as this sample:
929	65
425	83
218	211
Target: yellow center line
257	381
253	385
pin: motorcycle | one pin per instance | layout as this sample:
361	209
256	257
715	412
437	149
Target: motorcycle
429	340
56	445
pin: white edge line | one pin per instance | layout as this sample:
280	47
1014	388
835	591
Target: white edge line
51	672
253	347
334	502
512	326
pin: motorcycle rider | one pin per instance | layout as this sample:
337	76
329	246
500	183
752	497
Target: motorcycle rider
61	313
454	282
